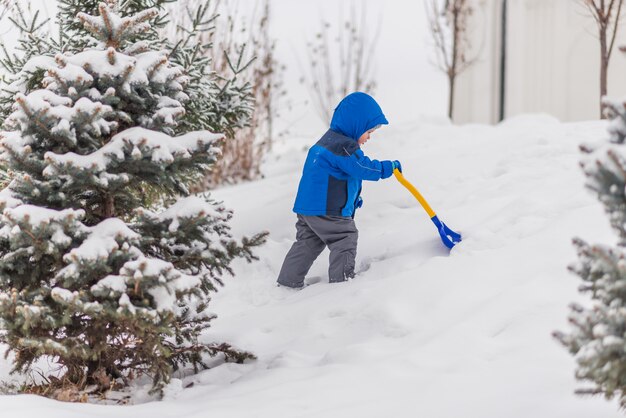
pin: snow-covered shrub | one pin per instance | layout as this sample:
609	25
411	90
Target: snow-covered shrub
598	338
106	261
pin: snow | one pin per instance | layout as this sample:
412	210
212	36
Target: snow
35	216
7	199
125	303
111	283
37	63
103	239
187	208
63	295
64	72
151	267
160	147
422	331
55	111
19	83
170	280
108	22
141	69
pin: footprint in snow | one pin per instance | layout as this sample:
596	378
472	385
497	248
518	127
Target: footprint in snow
312	280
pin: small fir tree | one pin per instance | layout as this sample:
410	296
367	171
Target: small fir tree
106	261
598	338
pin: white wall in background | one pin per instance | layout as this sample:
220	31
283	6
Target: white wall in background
552	62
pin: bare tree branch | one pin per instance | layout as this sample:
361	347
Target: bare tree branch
614	30
340	60
242	153
448	22
7	7
608	18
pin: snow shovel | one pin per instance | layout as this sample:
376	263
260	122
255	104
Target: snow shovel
448	236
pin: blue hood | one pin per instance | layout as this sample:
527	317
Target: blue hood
356	114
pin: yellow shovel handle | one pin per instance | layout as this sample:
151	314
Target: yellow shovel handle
414	192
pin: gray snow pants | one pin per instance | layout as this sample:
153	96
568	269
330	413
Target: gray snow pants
313	234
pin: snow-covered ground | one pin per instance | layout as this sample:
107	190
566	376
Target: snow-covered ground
421	331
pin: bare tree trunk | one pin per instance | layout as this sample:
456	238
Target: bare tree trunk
340	60
449	21
607	15
454	70
604	69
109	206
451	81
270	121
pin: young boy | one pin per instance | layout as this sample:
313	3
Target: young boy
329	192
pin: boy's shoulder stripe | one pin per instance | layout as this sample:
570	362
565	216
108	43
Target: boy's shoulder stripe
338	144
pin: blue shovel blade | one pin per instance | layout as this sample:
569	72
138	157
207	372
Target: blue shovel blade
448	236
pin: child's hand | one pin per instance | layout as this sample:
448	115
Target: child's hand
396	164
359	202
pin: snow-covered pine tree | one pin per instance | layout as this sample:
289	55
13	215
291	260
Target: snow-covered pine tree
92	273
216	102
598	336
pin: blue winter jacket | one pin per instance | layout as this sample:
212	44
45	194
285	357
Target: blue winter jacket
335	166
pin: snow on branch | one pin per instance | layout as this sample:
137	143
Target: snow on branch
158	278
36	216
103	239
53	114
186	208
133	144
36	226
113	29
